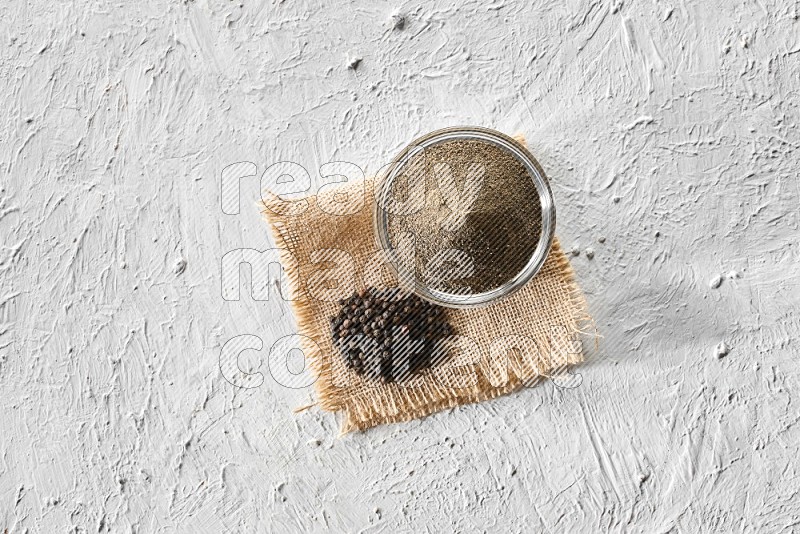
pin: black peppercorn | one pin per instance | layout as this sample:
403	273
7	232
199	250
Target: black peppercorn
386	334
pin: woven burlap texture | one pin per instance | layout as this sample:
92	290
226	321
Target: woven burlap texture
328	250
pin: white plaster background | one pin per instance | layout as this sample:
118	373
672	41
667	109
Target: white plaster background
117	119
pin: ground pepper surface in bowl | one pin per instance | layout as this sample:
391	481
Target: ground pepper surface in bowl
499	231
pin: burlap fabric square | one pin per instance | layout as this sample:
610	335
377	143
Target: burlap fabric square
328	252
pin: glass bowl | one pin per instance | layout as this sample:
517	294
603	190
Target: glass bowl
407	277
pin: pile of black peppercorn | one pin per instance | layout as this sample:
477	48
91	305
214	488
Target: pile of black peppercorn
388	334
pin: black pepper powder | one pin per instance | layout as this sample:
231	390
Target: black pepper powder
500	230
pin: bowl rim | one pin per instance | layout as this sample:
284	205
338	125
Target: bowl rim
548	215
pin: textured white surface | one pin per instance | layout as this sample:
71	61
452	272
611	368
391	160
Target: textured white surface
668	127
